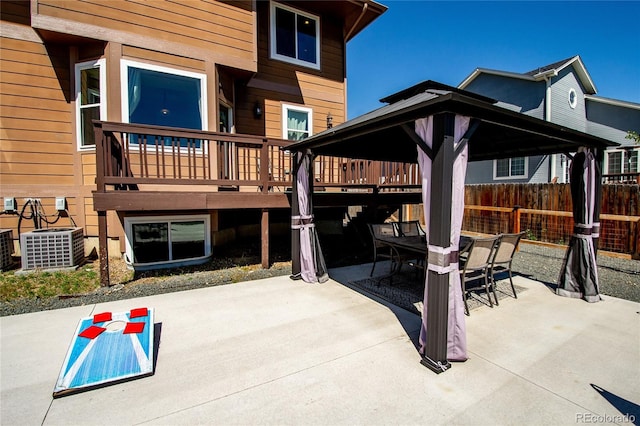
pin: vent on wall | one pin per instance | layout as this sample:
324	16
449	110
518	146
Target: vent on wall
52	248
6	248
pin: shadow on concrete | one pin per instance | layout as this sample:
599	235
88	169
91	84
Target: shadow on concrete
629	409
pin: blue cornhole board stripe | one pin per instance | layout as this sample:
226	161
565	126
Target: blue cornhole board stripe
109	357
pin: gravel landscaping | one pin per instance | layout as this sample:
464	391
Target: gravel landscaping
618	278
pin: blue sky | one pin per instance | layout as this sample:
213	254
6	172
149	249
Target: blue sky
416	40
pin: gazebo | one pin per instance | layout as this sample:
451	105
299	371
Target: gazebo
442	128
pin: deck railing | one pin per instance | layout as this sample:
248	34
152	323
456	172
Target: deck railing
630	178
133	156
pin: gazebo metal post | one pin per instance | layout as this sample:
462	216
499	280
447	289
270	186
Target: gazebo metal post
435	355
295	212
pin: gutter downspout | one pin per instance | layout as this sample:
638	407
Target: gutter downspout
353	27
553	160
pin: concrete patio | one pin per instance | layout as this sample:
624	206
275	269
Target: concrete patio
277	351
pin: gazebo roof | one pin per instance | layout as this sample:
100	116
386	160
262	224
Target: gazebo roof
383	134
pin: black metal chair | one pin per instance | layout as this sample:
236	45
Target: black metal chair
380	249
477	267
503	258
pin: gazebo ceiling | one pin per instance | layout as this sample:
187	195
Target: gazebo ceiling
382	134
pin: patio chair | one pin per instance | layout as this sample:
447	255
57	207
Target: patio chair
477	267
409	229
380	249
503	257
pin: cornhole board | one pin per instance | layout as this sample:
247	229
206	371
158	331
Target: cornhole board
108	348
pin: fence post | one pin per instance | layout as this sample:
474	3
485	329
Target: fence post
516	219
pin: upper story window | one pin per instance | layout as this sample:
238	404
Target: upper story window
295	36
163	96
507	168
296	122
90	100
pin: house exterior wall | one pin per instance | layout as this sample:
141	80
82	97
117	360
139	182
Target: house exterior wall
561	110
221	32
612	121
277	82
228	42
604	118
527	96
482	172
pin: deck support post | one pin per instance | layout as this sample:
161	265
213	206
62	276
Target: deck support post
264	227
103	249
435	354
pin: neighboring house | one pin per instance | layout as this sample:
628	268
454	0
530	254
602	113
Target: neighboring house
263	71
565	94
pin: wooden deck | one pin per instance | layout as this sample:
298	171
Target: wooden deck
142	168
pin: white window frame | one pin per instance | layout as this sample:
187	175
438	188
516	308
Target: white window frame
285	109
511	176
232	125
124	86
272	32
101	65
129	221
605	165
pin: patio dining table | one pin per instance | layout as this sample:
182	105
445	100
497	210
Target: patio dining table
417	245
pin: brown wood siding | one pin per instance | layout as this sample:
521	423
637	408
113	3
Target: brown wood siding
16	11
208	25
159	58
35	118
279	82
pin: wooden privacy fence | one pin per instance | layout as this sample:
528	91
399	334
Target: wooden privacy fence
544	213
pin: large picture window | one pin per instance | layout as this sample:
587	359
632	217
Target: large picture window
295	36
165	240
163	97
90	100
508	168
296	122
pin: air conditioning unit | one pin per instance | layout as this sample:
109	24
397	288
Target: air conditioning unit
56	248
6	249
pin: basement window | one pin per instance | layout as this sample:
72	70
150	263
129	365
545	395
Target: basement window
295	36
161	241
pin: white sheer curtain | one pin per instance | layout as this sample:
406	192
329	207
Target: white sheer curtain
297	125
456	327
134	89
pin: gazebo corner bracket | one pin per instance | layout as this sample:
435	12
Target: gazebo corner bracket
435	366
417	140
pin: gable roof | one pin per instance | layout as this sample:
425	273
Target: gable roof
540	73
382	134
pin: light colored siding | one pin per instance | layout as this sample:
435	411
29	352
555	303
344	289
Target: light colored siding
225	30
35	117
539	170
561	112
479	172
612	121
528	95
